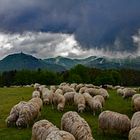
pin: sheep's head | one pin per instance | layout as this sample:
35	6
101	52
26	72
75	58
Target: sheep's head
21	123
10	121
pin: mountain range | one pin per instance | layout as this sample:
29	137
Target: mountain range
21	61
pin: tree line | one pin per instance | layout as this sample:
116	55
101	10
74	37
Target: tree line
77	74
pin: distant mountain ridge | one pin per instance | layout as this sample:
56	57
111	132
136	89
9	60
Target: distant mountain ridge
21	61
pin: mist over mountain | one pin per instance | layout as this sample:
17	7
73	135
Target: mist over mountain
21	61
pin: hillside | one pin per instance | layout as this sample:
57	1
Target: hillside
21	61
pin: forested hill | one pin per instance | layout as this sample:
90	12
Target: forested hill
21	61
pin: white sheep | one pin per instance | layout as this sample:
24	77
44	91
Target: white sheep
79	100
134	134
95	105
36	94
69	97
135	96
120	91
100	98
29	112
53	88
79	86
46	94
92	91
59	91
128	92
59	100
14	114
136	104
109	120
82	90
45	130
103	92
67	88
135	120
76	125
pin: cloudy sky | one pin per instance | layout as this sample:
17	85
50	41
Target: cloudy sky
70	28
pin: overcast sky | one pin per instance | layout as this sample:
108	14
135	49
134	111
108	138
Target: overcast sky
70	28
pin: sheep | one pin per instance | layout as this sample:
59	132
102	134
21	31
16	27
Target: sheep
79	100
36	94
14	114
59	100
94	104
82	90
100	98
60	135
135	120
45	130
36	86
73	85
76	125
92	91
67	88
128	92
103	92
135	96
59	91
29	112
69	97
136	104
78	87
46	96
120	91
53	88
109	120
134	134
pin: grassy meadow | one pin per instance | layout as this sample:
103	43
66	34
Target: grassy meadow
11	96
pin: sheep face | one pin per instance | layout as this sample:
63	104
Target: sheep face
10	121
21	123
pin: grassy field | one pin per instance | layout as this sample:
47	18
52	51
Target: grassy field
11	96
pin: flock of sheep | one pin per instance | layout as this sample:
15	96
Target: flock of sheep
74	127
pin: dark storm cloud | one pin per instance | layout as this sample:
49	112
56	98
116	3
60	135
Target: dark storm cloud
95	23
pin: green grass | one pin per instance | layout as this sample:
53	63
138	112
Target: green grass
11	96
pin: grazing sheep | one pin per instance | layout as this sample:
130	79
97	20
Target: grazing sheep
36	86
79	86
29	112
120	91
36	94
45	130
103	92
92	91
82	90
134	134
73	85
69	97
14	114
59	91
95	105
79	100
136	104
76	125
59	100
135	96
46	96
109	120
67	88
53	88
135	120
100	98
128	92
